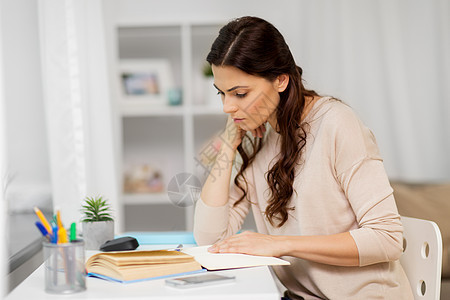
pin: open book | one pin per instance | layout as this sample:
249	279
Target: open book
131	266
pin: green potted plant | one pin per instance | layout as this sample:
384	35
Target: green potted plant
210	96
97	222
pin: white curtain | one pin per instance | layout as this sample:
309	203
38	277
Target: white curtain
64	105
77	102
390	60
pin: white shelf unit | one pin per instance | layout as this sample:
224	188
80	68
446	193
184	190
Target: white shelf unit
168	138
146	199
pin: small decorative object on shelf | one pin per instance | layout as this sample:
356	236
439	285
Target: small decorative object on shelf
143	179
175	96
97	222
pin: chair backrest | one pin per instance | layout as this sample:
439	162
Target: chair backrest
422	257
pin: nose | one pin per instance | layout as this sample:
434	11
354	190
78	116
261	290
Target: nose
229	106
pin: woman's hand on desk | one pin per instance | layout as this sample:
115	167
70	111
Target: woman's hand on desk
249	243
336	249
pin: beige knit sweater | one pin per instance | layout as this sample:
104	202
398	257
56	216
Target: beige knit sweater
341	186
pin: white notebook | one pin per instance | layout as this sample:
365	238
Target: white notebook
220	261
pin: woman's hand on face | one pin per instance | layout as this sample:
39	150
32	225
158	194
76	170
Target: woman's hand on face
233	133
259	132
249	243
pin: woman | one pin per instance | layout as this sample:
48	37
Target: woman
314	181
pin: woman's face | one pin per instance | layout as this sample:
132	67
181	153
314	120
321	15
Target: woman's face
250	100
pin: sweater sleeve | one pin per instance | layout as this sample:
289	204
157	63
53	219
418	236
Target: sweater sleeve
212	224
379	236
361	174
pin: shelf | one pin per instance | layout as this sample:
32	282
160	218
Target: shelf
142	110
147	109
146	199
207	110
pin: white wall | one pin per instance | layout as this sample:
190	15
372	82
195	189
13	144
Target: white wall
390	60
283	13
27	150
24	170
3	221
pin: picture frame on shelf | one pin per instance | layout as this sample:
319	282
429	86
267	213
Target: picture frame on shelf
145	81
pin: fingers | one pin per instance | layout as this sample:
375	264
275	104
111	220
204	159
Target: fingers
222	247
233	244
213	249
259	132
233	133
225	247
249	242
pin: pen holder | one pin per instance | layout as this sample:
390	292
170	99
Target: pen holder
64	267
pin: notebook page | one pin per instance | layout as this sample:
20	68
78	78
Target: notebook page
219	261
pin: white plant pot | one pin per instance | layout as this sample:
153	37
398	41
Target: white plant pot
96	234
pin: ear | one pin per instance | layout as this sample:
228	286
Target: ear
282	82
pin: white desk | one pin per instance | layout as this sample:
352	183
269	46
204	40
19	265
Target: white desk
251	284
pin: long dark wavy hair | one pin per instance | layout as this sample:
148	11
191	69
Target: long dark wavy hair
256	47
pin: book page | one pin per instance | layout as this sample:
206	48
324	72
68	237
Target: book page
219	261
133	257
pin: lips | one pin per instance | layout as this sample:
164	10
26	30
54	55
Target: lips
237	120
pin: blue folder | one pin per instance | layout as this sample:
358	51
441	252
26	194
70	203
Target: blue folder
104	277
162	237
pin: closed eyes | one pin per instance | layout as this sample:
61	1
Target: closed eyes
239	95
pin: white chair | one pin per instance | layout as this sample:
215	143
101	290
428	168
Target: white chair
422	257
